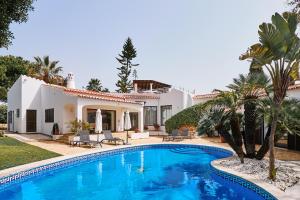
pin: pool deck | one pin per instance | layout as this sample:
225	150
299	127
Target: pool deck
70	152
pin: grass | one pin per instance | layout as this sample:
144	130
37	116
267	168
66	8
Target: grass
14	152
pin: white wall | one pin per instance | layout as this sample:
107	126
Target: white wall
54	97
31	94
13	103
178	99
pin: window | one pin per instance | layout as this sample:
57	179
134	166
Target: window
150	115
18	113
134	118
49	115
91	116
166	113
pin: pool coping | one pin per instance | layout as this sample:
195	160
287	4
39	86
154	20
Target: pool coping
16	173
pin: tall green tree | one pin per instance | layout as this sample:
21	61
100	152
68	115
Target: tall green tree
128	53
12	11
279	53
95	85
11	67
47	70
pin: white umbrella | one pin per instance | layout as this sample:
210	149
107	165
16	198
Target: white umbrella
127	124
98	125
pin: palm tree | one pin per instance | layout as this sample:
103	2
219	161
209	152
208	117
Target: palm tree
96	85
250	87
278	51
231	103
47	70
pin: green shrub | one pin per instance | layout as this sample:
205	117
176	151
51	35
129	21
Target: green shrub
3	114
188	117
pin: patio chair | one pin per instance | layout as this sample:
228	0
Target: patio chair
84	138
174	135
109	138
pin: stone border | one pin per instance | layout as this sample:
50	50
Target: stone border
13	178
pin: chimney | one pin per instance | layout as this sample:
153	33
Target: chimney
70	81
151	86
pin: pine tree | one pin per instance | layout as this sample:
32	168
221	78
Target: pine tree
128	53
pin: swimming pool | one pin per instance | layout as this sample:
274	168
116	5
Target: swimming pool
142	172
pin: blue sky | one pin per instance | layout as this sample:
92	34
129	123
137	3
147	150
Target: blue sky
192	44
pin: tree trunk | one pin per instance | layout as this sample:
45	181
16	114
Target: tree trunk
237	136
250	128
263	150
272	170
228	139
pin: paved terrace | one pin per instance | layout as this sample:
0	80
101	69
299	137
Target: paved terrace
291	158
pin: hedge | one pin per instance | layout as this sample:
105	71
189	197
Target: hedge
188	117
3	114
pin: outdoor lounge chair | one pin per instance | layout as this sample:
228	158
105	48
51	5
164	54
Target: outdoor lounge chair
109	138
174	135
84	138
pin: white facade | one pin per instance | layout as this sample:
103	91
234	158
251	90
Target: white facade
176	99
32	95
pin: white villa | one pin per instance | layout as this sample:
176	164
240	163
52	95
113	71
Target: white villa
34	106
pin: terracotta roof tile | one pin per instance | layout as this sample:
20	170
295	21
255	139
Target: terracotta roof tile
141	96
94	95
206	96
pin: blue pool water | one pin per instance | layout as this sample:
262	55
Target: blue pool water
177	173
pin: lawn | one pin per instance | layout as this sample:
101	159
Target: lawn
14	152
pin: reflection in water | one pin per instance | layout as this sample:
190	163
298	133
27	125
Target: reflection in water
141	168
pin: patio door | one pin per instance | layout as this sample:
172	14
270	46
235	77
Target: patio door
134	118
30	120
108	119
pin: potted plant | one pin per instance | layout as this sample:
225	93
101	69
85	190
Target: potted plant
146	128
136	130
156	127
55	132
222	139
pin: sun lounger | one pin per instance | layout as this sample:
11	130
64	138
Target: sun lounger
84	138
109	138
174	135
